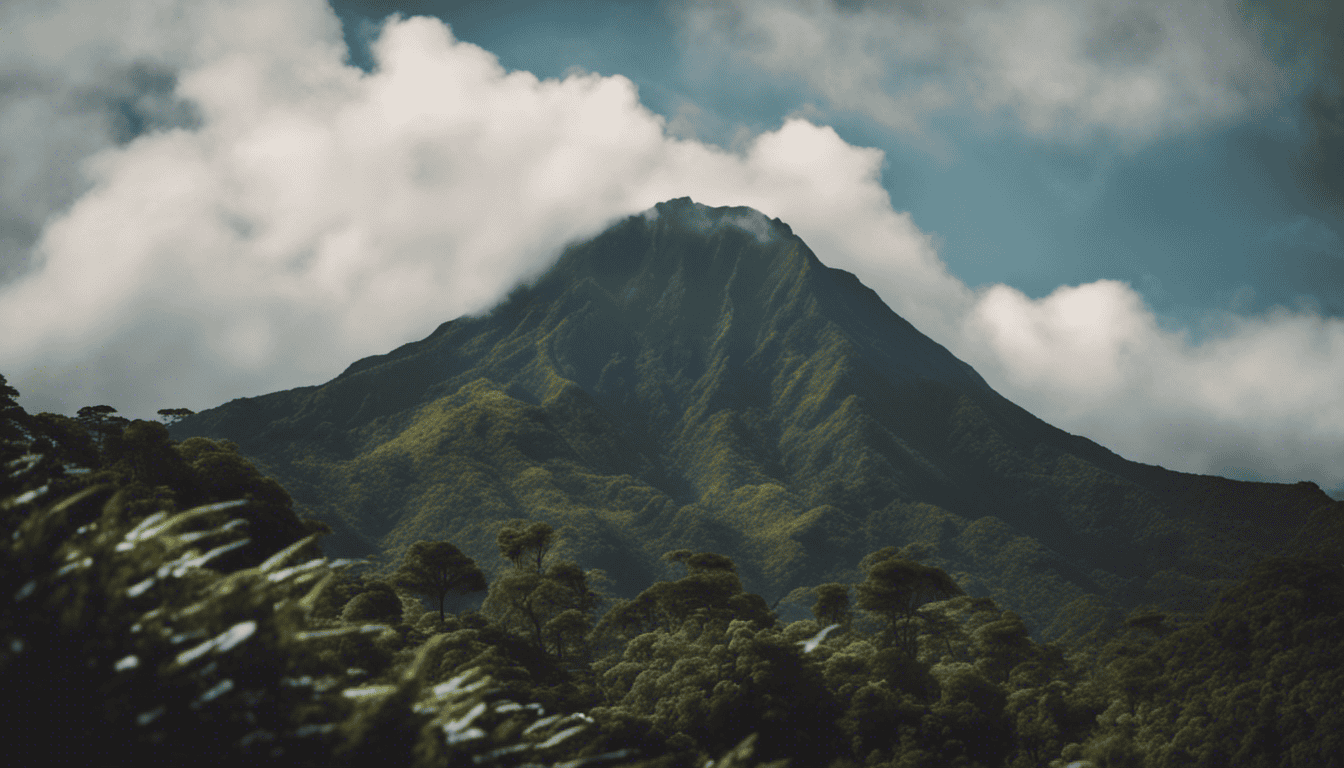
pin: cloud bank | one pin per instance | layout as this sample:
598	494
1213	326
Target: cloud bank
288	214
1135	70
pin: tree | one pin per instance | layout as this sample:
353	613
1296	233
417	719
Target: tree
710	685
171	416
538	601
573	624
678	556
896	588
95	413
628	619
221	473
525	545
832	606
569	575
885	553
710	590
434	569
532	601
515	597
8	394
707	562
1001	645
145	449
942	626
378	603
100	422
11	414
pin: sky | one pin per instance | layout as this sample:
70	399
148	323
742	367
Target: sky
1128	216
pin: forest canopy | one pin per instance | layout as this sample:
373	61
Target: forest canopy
197	605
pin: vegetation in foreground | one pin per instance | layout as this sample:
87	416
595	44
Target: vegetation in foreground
165	604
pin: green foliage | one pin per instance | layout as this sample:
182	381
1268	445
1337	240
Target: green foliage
145	453
709	562
60	438
12	416
129	639
526	547
1254	682
100	422
714	683
379	603
1001	646
832	605
710	591
895	588
8	394
293	660
434	569
554	607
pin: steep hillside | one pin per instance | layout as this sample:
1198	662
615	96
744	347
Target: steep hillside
696	378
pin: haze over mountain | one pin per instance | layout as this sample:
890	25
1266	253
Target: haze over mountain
697	378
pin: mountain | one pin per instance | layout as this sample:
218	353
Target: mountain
696	378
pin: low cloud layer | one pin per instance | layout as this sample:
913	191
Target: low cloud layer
1259	400
290	214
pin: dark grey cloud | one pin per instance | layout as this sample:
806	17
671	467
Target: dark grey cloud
1136	71
140	98
58	110
1319	165
1307	38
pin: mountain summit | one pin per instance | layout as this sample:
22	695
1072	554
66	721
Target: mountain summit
695	377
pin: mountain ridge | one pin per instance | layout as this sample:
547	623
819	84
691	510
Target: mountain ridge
697	377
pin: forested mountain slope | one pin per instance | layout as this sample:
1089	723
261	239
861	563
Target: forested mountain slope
695	377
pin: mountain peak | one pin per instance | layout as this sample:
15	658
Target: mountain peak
733	285
704	219
694	377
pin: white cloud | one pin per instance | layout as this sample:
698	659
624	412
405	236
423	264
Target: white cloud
1261	399
315	214
72	78
1136	69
